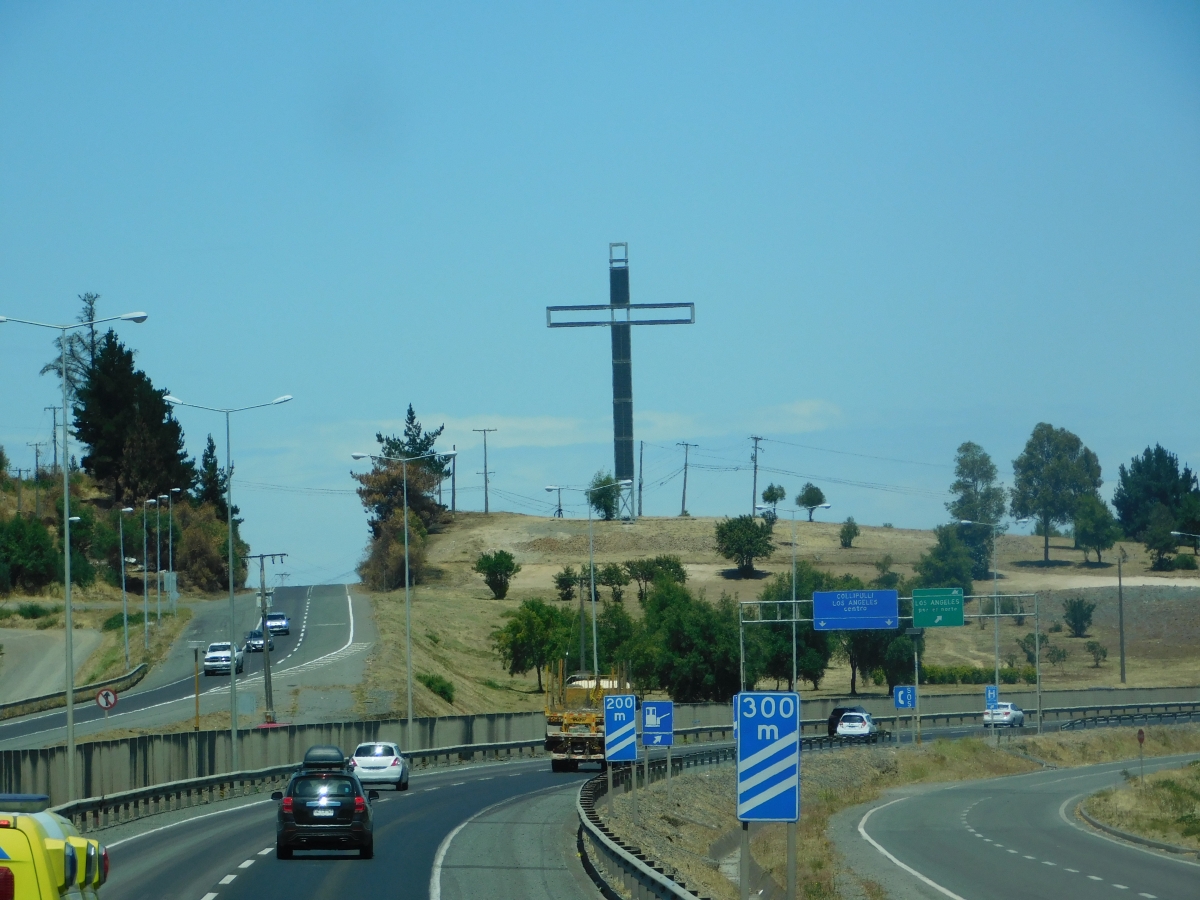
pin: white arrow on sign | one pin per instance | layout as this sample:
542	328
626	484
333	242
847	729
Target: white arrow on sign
887	621
938	619
822	623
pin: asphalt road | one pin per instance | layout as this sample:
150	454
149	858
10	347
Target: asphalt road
321	629
504	831
1009	837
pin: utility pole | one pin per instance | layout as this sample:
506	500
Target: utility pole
754	458
485	472
1121	608
641	470
37	476
453	477
19	482
685	445
54	412
266	634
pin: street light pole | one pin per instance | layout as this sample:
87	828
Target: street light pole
146	576
404	461
233	716
171	545
158	555
137	317
124	597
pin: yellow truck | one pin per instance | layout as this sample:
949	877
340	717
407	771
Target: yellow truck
575	717
43	856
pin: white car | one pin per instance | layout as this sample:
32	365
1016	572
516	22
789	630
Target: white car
1008	714
380	763
853	724
217	656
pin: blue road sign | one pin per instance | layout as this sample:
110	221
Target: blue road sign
620	728
768	756
991	696
658	723
905	696
850	610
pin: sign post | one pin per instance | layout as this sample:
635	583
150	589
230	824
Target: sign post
620	738
855	610
937	607
905	697
1142	754
768	769
658	730
197	646
107	699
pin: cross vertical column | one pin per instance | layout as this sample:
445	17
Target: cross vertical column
622	363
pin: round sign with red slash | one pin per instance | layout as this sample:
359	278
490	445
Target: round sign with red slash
1141	736
106	699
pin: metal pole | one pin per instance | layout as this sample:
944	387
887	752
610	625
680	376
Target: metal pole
995	629
70	639
795	611
1121	609
668	774
485	474
145	581
641	469
196	659
791	861
633	773
158	558
1037	652
266	635
408	589
233	717
744	864
171	544
592	568
916	691
608	769
124	597
453	478
741	651
754	490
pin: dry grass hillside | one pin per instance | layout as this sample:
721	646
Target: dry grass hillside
454	613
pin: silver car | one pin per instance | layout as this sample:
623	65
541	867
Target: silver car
1004	715
380	763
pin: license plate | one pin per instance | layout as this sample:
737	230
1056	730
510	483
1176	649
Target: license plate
322	813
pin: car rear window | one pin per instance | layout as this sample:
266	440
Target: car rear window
321	786
852	719
275	616
375	750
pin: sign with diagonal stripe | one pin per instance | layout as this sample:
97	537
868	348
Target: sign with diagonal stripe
768	756
620	728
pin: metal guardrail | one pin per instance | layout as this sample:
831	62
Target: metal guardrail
1162	718
95	813
638	876
83	693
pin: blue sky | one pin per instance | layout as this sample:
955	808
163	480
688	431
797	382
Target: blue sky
903	226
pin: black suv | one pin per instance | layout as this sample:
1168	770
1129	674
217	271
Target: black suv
838	712
324	807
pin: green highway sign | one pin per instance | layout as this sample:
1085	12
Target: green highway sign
937	607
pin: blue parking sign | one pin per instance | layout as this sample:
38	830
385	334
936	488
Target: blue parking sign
620	728
768	756
905	696
658	723
991	696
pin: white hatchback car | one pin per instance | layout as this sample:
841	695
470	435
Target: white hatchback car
854	724
1004	714
380	763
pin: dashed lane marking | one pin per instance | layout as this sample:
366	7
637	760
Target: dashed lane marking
247	864
1095	878
209	896
228	879
265	851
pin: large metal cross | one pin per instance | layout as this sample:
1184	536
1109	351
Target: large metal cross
620	318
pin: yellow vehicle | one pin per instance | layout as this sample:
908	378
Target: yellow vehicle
575	717
42	856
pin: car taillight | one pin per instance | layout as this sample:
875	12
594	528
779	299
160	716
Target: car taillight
8	887
396	761
360	804
104	865
352	762
287	804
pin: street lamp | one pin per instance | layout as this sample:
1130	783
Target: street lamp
158	555
233	720
404	461
124	599
146	575
138	317
792	514
626	482
817	506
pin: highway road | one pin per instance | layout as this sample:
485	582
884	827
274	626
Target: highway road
327	627
504	831
1008	837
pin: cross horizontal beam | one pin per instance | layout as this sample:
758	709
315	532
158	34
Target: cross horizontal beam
620	315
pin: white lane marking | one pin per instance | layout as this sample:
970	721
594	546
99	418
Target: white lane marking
1095	878
1014	851
1046	862
1027	856
219	812
1073	802
863	831
426	790
457	783
208	896
1074	871
1121	887
515	774
247	864
1148	896
265	851
228	879
435	877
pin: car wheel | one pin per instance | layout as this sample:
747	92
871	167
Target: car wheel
282	850
367	850
556	765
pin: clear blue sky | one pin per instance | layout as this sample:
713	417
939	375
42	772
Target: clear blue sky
903	225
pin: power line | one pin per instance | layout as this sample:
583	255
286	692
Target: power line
911	462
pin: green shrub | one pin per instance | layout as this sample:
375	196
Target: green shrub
498	569
115	622
1184	561
439	685
46	623
33	611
